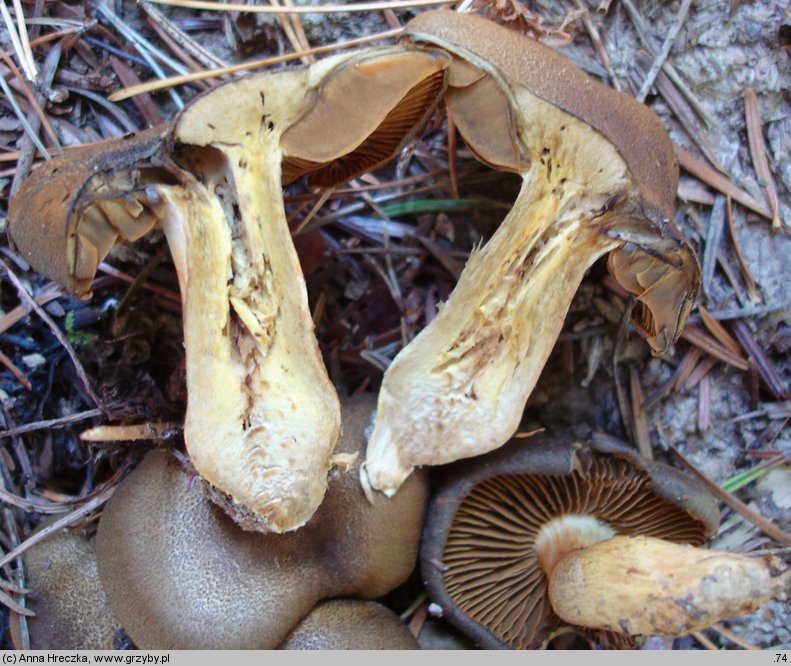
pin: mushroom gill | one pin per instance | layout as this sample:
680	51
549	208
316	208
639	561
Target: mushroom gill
502	530
526	539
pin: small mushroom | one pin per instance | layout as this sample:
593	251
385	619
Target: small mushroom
599	176
610	538
262	415
350	624
179	574
66	595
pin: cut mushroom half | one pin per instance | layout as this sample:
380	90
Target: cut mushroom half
526	539
262	416
599	176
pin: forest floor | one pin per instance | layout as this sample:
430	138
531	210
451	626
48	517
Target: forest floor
380	255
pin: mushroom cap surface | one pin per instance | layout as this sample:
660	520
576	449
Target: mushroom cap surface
71	608
44	215
350	624
631	127
179	574
478	558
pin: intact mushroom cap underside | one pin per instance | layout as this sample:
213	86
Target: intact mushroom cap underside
179	573
479	557
71	210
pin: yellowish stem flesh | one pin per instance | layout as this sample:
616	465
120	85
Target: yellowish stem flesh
648	586
459	388
263	417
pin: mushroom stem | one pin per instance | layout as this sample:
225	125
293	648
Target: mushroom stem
565	534
599	176
644	585
263	417
458	389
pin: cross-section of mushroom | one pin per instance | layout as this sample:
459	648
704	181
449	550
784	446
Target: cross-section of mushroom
525	539
262	416
598	175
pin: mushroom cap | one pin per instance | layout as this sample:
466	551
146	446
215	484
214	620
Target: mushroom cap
350	624
179	574
341	117
71	608
478	557
45	216
631	127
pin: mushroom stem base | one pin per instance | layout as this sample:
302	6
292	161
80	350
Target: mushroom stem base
644	585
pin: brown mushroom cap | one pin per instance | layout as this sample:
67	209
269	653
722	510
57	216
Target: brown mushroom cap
478	555
631	127
350	624
71	608
72	209
179	573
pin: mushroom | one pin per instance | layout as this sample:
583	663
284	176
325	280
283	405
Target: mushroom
262	415
525	539
66	594
179	574
350	624
599	176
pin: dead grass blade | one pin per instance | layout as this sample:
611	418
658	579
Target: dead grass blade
664	52
733	638
593	33
704	404
764	366
711	249
51	423
749	281
52	56
687	365
27	298
766	526
28	65
36	118
700	372
6	600
151	86
18	374
718	331
647	38
755	138
639	417
699	338
700	637
305	9
30	506
205	57
719	182
91	505
145	105
686	115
